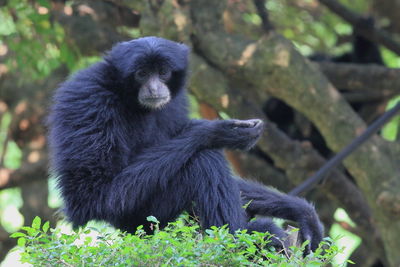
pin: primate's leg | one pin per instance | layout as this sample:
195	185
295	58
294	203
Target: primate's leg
267	225
216	195
268	202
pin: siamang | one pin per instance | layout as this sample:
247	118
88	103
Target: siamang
123	148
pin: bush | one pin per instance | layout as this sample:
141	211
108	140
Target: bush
181	243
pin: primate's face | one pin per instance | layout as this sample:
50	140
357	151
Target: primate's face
153	69
153	92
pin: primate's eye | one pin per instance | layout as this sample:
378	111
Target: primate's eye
164	73
140	75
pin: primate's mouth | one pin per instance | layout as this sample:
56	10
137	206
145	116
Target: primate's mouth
155	102
155	99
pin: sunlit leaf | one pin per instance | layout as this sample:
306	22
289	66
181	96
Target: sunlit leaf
36	223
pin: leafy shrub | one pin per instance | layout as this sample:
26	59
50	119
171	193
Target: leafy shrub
181	243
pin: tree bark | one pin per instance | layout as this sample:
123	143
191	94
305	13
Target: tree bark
362	77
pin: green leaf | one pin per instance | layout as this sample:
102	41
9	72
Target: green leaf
67	55
36	223
21	241
224	115
245	206
44	3
17	234
46	226
31	231
152	219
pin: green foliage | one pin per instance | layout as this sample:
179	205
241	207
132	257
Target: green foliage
391	130
181	243
309	32
345	239
10	203
32	37
10	199
311	26
13	155
38	43
54	199
391	59
194	107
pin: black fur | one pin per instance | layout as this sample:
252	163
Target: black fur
120	162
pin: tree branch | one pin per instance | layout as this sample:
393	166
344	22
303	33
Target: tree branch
28	172
95	20
361	77
368	96
371	33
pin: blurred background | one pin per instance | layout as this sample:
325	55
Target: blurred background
317	72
